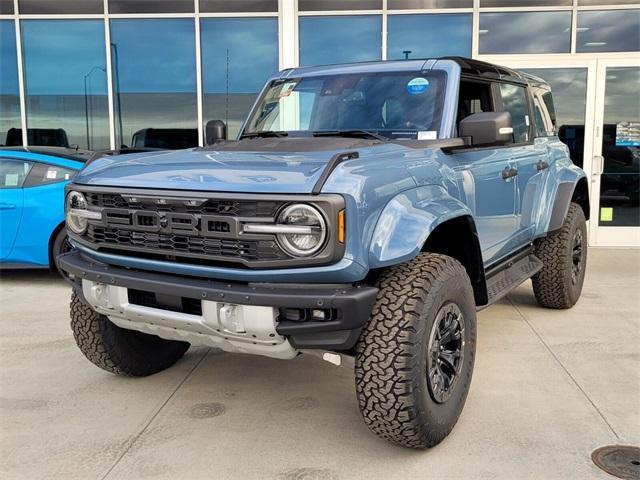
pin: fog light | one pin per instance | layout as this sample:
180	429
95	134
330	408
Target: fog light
294	314
318	315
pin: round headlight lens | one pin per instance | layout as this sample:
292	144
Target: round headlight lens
76	201
302	244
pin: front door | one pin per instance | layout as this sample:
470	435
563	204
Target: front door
615	173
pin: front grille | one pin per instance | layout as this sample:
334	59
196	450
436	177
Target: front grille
199	228
172	244
235	208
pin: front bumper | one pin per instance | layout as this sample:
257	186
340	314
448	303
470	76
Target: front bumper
351	305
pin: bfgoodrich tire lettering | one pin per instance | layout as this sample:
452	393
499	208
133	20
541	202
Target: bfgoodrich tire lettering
559	283
391	363
117	350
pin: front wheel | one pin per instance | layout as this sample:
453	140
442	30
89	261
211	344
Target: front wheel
414	359
117	350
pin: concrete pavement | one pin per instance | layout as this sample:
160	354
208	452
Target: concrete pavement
549	387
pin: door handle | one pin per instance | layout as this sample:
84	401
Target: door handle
509	172
598	165
7	206
542	165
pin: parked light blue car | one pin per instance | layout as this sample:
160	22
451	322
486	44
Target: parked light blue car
32	182
364	213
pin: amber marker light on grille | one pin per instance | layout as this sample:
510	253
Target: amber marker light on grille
341	226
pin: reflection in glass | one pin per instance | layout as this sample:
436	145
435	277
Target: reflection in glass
525	3
569	89
60	6
239	6
425	36
327	5
620	179
525	32
65	82
585	3
416	4
238	55
9	90
340	39
154	6
6	7
154	81
608	31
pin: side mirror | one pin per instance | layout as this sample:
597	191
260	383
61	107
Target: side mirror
215	131
487	129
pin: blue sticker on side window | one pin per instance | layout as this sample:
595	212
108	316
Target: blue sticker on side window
417	85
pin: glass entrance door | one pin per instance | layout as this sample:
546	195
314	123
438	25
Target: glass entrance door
615	172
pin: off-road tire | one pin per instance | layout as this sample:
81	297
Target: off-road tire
391	354
117	350
554	286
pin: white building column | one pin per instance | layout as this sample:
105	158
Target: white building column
288	33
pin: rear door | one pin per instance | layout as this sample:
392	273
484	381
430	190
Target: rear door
528	157
13	174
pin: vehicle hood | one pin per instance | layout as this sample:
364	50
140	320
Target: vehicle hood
253	165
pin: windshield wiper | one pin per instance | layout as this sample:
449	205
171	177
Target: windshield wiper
350	133
265	134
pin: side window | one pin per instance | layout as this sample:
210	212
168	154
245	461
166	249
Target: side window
13	172
473	97
42	174
548	102
514	101
541	129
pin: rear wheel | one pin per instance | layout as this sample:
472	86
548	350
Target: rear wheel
564	255
415	356
60	245
117	350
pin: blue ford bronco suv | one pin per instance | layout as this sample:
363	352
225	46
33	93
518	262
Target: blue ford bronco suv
365	212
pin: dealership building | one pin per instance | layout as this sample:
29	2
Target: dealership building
101	74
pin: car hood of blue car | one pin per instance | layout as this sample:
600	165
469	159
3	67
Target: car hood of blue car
252	165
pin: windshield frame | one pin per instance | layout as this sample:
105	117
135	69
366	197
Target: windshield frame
440	126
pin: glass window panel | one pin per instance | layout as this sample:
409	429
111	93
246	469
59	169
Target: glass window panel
525	3
10	133
238	55
154	81
239	6
585	3
328	5
340	39
569	91
416	4
514	101
43	174
151	6
620	179
65	82
61	6
13	173
525	32
6	7
424	36
608	31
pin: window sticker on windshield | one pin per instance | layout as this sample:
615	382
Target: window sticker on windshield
427	135
287	88
417	85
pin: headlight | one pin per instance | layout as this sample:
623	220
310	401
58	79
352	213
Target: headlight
77	213
310	239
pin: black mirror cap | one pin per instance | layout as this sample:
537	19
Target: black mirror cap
215	131
487	129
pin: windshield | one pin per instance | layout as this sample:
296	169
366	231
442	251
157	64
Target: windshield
393	105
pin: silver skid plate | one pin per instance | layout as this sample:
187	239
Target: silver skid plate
232	328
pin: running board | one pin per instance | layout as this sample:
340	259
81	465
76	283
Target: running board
512	274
